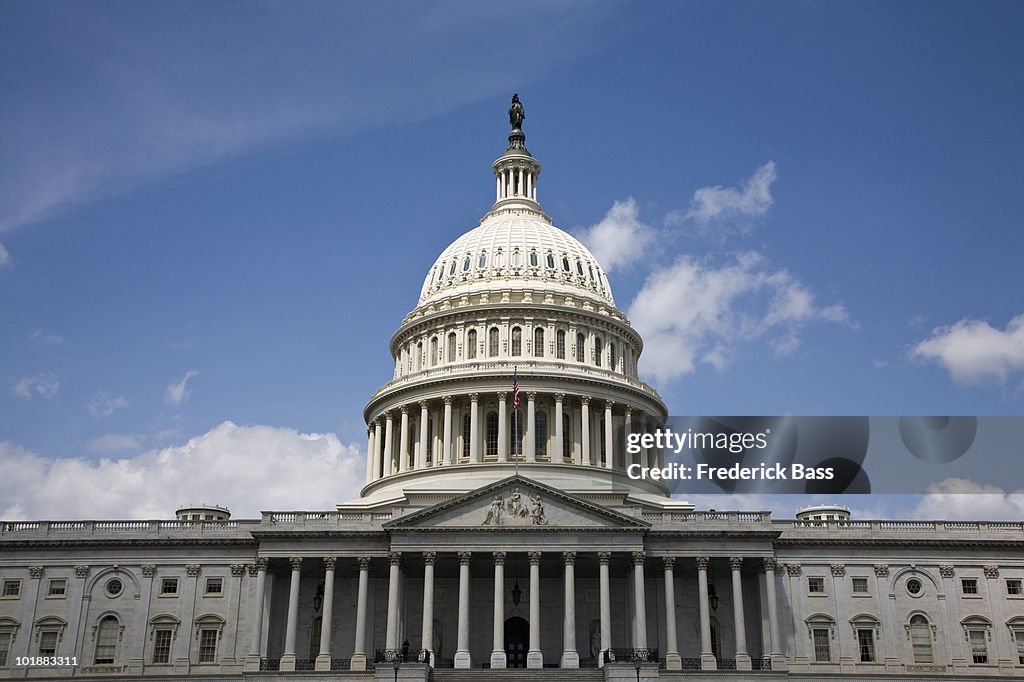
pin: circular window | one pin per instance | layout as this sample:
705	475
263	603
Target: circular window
914	586
114	587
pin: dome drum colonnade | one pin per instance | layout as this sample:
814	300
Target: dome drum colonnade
515	294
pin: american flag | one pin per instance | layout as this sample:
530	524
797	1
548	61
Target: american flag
515	389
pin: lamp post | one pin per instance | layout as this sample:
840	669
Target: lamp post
638	664
397	663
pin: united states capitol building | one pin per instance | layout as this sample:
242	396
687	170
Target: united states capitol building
505	537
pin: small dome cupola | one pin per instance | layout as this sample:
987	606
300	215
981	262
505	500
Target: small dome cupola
516	170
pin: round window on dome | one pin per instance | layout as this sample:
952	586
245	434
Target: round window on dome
114	587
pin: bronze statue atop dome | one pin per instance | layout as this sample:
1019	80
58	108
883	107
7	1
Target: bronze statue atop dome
516	114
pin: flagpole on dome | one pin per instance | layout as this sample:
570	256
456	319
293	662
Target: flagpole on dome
515	418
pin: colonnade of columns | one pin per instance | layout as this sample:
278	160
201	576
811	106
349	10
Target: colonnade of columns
535	657
477	428
515	181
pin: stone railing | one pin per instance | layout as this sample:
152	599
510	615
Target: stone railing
324	518
899	527
714	517
69	529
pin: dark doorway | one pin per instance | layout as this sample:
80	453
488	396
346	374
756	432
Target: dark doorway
517	641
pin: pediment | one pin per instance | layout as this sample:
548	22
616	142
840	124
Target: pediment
516	503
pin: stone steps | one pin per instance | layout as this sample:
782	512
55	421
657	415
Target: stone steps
518	675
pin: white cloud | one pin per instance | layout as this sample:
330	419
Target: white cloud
47	337
104	405
974	352
42	385
114	442
176	393
5	256
620	238
725	204
246	468
960	498
692	312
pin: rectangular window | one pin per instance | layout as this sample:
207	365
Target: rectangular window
215	586
822	651
57	587
162	646
5	647
1014	587
866	642
969	585
48	643
860	585
816	585
169	587
979	647
11	589
207	645
1018	639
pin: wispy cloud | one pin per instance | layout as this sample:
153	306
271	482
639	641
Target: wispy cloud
960	498
5	256
974	352
47	337
107	109
112	443
246	468
104	405
695	312
730	206
176	393
620	238
39	385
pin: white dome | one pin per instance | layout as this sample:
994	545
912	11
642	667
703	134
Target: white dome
520	248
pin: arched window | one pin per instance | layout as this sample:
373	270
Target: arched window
550	262
538	342
598	351
451	347
471	344
419	357
560	344
581	350
540	441
821	628
517	341
533	259
482	262
565	264
106	640
613	362
492	343
465	436
433	351
566	437
921	639
492	434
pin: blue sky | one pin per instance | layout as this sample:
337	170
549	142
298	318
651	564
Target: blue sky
213	216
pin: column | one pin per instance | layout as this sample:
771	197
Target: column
497	179
370	455
775	646
474	428
389	443
570	657
628	429
742	657
391	638
534	656
323	661
462	659
427	637
403	443
530	447
446	444
707	656
529	185
640	597
288	658
672	659
603	559
585	429
502	427
498	650
421	454
359	649
378	449
645	453
609	432
259	569
557	454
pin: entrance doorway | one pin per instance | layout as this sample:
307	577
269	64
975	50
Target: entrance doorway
517	642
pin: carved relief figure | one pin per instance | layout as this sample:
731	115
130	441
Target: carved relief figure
516	508
496	511
537	511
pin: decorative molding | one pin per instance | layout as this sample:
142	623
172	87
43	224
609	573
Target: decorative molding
465	558
192	570
569	558
534	557
639	558
991	571
881	570
394	558
148	570
946	570
769	565
669	562
330	562
604	557
447	399
237	570
702	562
295	562
81	571
792	570
499	558
429	558
736	563
838	570
559	397
364	563
585	399
35	571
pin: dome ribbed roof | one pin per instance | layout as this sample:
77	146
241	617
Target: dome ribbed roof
517	248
